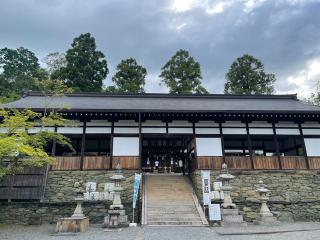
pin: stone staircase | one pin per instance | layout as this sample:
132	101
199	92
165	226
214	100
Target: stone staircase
169	200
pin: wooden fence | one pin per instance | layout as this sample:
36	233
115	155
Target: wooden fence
95	163
259	162
314	162
27	185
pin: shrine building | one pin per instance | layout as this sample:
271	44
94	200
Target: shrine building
272	136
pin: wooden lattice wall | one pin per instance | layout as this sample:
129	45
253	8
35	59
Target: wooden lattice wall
27	185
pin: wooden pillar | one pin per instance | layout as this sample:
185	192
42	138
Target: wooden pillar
195	146
249	145
111	144
167	127
83	143
54	143
222	143
140	142
304	146
277	144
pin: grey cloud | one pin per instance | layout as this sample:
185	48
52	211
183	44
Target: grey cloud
283	34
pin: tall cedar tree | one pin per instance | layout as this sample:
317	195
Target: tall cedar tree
247	76
20	71
86	67
182	74
130	77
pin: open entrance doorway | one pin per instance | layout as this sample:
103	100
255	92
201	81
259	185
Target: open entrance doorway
164	153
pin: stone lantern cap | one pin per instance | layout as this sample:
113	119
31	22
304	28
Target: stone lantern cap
225	173
226	176
117	177
262	187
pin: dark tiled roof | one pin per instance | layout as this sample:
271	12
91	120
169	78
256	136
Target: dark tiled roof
165	102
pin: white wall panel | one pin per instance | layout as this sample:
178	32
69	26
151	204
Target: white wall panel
125	146
153	130
312	146
209	147
38	129
102	130
287	131
207	131
310	131
70	130
126	130
234	131
180	130
263	131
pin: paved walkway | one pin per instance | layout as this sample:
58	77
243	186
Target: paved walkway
296	231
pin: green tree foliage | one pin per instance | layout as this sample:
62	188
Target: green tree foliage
129	78
314	97
20	71
55	61
86	67
247	76
18	149
182	74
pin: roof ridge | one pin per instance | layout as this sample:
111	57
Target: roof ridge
170	95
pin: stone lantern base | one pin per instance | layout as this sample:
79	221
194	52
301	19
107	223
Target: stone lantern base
116	218
231	217
72	225
266	220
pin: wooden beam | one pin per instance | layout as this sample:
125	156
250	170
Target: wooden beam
222	143
304	146
83	143
111	144
249	145
195	145
275	137
140	143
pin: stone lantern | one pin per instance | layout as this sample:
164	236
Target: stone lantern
226	187
79	200
117	179
116	214
229	213
78	222
265	215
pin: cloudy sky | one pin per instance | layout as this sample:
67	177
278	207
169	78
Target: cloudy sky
284	34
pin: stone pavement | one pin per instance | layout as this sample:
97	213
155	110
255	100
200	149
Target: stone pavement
296	231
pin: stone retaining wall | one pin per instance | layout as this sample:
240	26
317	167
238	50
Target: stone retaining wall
60	188
59	199
294	195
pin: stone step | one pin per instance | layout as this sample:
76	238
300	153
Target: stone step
189	223
170	202
172	211
170	208
180	219
173	215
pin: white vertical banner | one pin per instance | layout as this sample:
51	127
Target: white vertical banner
205	175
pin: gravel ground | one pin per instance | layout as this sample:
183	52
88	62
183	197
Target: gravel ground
303	231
